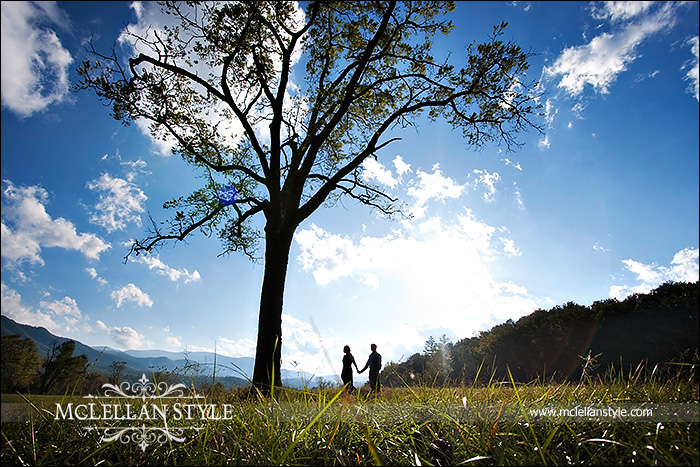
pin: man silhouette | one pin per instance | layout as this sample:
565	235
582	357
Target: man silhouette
374	362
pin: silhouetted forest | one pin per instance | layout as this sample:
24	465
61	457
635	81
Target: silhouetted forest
566	342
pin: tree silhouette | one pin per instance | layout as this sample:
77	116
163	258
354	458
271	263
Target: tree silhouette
20	362
220	85
116	371
60	368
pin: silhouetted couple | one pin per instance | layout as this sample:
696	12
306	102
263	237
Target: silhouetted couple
374	363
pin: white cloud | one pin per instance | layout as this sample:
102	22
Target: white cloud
57	316
65	307
235	347
693	67
374	170
13	308
34	62
401	166
33	229
644	272
331	257
120	202
432	186
432	265
126	337
328	255
131	293
163	269
173	342
684	267
599	62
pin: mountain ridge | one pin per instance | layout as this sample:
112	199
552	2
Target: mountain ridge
236	371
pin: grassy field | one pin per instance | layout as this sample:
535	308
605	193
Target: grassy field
491	424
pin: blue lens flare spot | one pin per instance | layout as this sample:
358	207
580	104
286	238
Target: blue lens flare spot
226	195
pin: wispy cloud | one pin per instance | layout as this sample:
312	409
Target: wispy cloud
488	180
598	247
525	5
599	62
120	202
93	274
35	64
27	227
509	246
154	263
619	11
684	267
693	67
515	165
424	186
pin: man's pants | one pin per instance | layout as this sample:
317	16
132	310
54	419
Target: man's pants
374	380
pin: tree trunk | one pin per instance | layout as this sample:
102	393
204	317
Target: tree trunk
268	355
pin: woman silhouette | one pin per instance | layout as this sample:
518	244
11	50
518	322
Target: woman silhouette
346	374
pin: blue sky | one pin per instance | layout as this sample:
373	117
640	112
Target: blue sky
603	204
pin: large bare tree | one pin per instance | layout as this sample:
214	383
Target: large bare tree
221	85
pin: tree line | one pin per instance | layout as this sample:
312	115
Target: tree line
567	342
56	372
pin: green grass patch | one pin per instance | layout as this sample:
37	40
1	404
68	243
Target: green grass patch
467	425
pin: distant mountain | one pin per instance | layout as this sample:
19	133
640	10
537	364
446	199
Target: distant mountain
43	340
225	366
235	371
